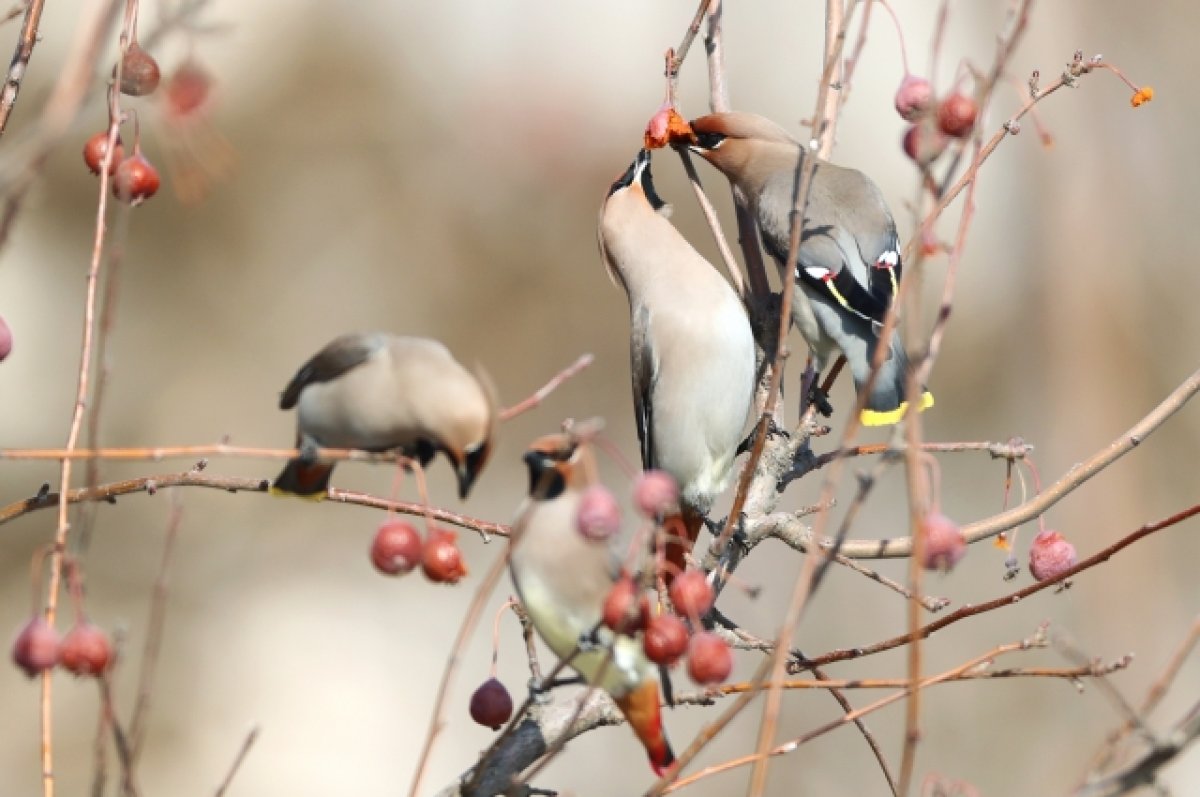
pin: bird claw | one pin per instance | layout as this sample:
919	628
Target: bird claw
820	399
308	452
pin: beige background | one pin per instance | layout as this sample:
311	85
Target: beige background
435	168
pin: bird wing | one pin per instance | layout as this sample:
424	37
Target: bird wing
329	363
643	368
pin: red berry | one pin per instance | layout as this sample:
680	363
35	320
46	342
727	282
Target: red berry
924	142
665	639
96	147
441	560
85	650
914	97
655	493
396	548
944	542
35	649
5	339
187	89
136	180
599	516
491	705
709	659
1050	555
691	594
956	115
139	72
625	610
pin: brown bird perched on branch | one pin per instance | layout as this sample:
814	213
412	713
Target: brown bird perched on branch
691	350
563	578
848	266
382	392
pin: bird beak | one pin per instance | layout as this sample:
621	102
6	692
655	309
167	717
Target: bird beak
468	470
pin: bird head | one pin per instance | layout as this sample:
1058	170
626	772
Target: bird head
552	465
741	144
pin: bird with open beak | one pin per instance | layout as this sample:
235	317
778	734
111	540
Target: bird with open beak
691	351
848	265
382	392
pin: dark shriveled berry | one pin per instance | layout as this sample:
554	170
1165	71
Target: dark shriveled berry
139	72
491	704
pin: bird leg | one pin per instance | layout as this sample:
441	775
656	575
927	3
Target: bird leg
308	451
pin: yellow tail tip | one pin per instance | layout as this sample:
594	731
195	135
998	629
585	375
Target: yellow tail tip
890	417
279	491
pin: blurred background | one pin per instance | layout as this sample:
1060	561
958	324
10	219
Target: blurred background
436	169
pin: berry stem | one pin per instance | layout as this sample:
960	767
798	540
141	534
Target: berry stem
511	603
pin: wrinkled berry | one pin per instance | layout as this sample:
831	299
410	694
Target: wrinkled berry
441	560
944	542
85	650
1051	555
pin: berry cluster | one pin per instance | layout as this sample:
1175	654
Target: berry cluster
397	548
934	122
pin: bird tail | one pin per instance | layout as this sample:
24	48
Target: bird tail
306	479
681	533
887	403
641	708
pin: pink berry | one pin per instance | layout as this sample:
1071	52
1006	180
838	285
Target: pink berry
655	493
924	142
665	639
35	649
914	97
491	704
396	548
944	542
85	650
956	115
710	661
599	516
691	594
1051	555
6	339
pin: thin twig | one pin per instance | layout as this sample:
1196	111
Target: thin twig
154	634
20	60
470	620
242	752
1104	758
152	484
792	745
1010	599
541	393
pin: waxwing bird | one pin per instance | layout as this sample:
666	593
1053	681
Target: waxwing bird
382	392
563	578
691	350
848	267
